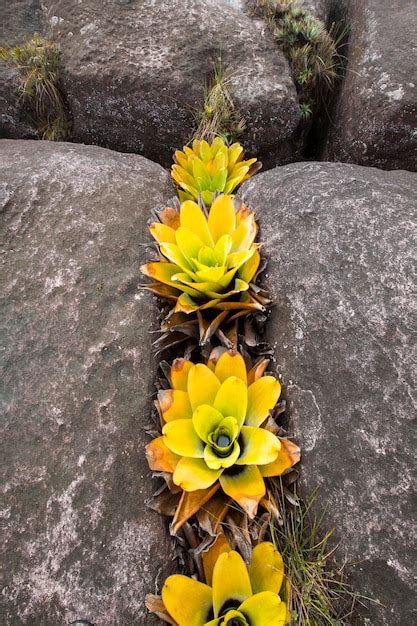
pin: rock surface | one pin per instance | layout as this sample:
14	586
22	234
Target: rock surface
77	380
318	8
134	72
339	242
13	121
374	122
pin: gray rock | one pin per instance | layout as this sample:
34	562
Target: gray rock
134	73
318	8
340	248
374	122
77	380
20	19
14	123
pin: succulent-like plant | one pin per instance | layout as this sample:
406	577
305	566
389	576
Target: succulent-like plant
207	169
311	49
238	597
206	261
212	429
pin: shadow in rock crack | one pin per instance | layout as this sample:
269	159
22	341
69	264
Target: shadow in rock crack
317	136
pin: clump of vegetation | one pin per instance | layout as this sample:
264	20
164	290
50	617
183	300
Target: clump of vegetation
311	49
319	594
37	62
218	116
205	170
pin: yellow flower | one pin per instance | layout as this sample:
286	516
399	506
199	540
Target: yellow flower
206	262
238	597
212	429
206	169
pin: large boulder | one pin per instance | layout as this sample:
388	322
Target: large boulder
339	241
374	119
77	382
134	73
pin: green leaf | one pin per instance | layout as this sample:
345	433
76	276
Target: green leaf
218	181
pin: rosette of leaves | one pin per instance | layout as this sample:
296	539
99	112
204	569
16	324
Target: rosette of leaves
237	595
215	430
208	262
206	169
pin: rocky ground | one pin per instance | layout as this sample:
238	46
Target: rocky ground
339	242
77	384
133	75
77	371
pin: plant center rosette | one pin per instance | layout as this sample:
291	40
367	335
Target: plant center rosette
205	169
208	262
214	420
237	597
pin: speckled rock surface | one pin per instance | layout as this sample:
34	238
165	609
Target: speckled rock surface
318	8
375	119
339	242
135	71
13	122
20	18
77	379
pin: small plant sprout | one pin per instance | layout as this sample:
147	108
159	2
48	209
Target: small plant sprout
218	116
305	111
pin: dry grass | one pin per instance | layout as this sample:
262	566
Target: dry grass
320	595
37	62
218	116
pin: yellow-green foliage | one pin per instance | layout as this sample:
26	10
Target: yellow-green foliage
37	62
206	169
309	47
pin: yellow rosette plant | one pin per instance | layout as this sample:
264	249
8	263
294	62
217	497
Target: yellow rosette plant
206	261
206	169
238	596
213	418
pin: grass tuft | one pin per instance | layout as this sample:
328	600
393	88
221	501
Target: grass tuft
218	117
37	62
320	595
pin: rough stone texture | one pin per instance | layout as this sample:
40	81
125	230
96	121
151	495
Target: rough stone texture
77	377
13	122
339	242
19	20
134	72
318	8
374	122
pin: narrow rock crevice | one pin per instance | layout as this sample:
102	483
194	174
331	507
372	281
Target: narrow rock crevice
317	71
323	119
